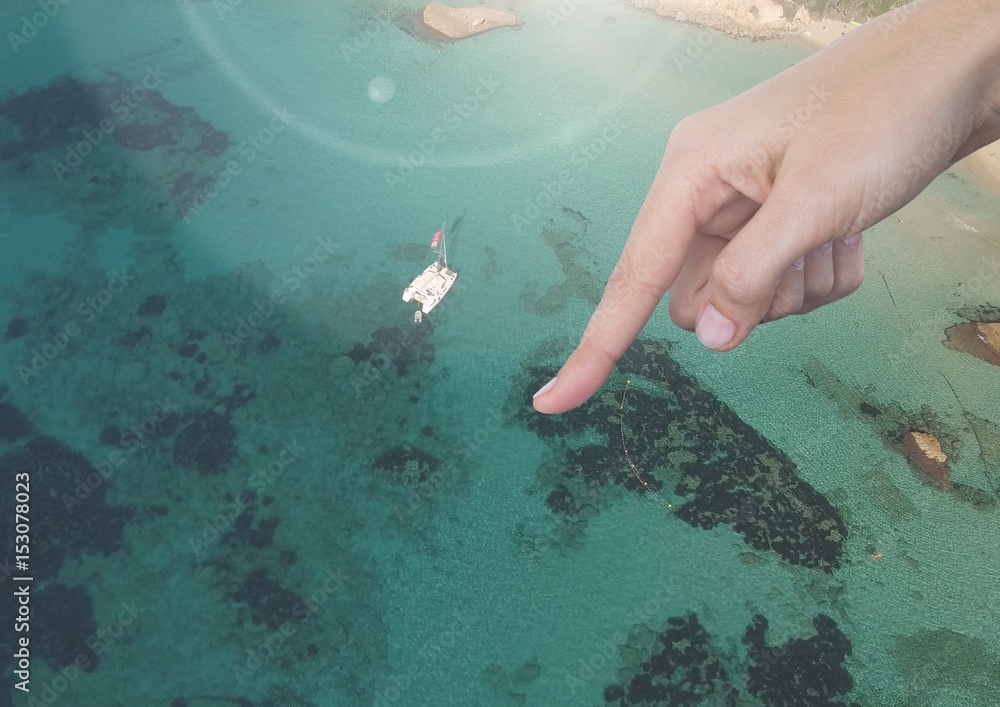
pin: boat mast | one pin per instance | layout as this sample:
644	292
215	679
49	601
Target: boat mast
444	246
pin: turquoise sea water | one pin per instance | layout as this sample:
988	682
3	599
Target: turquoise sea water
255	482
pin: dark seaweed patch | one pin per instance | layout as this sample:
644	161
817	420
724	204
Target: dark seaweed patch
207	443
70	516
14	424
399	347
74	142
153	306
407	463
801	671
270	603
680	436
682	670
16	328
64	627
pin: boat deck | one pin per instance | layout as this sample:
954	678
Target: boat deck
430	286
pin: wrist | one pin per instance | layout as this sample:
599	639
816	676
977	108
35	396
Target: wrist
976	26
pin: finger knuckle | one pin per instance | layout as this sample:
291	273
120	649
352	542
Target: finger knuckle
634	274
819	286
848	283
733	280
682	312
785	304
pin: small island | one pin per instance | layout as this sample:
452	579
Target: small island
452	23
980	339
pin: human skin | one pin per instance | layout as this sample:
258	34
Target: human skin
757	209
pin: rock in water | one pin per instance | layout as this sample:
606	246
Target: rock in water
981	339
924	452
461	22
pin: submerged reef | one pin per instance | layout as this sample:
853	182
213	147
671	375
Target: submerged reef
16	328
801	671
71	517
204	442
269	602
396	346
14	424
207	443
678	667
921	437
979	336
936	659
64	629
564	240
408	464
713	468
107	153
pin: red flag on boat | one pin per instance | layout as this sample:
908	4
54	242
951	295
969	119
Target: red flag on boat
437	237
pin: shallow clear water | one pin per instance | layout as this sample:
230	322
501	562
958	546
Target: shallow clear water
301	499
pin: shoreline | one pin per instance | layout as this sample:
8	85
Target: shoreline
985	166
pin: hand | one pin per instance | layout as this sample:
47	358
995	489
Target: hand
757	209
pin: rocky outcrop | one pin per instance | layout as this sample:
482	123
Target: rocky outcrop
980	339
461	22
763	19
760	19
925	453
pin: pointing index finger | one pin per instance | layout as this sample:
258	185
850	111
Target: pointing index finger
653	256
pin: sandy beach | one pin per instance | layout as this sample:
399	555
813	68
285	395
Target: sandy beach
821	33
985	165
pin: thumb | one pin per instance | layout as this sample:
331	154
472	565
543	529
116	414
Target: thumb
746	274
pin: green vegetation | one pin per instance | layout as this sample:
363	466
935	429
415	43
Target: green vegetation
842	9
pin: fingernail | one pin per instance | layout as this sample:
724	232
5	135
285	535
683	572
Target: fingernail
826	246
713	329
800	263
853	241
544	389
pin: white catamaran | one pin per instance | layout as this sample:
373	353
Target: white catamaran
430	286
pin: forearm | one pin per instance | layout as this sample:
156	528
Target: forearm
962	39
